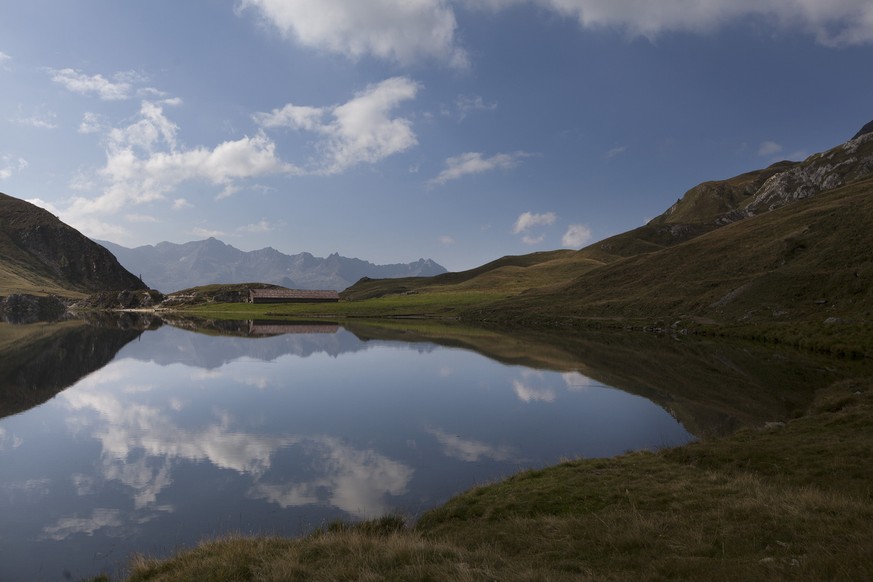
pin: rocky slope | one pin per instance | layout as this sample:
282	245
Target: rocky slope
171	267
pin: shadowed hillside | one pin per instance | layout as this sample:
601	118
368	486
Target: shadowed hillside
41	255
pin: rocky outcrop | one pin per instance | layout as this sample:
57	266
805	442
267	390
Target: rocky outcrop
849	162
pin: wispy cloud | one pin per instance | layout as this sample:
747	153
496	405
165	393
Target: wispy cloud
469	450
476	163
84	84
614	152
141	218
769	148
446	240
361	130
261	226
466	104
37	119
394	30
10	165
5	61
207	233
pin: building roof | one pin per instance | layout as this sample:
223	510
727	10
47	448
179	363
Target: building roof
293	294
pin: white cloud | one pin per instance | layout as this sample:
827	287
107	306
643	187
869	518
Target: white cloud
144	162
529	220
181	204
576	236
358	131
475	163
769	148
402	31
446	240
10	165
832	23
533	240
4	61
78	82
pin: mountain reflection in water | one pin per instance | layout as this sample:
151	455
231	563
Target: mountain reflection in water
200	428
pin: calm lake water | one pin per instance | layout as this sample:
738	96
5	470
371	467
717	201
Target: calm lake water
169	436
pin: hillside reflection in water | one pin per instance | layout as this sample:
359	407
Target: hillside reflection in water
186	435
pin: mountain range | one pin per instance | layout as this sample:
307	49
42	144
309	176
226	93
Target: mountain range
170	267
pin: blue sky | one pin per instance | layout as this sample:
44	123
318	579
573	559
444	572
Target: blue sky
396	129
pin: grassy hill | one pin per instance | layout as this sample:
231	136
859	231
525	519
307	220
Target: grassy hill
40	255
785	248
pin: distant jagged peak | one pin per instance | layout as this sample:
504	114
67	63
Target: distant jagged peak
864	130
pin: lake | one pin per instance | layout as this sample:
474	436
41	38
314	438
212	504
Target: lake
129	436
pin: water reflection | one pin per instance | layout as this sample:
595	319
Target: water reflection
200	428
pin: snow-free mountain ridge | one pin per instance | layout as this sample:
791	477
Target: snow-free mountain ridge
170	267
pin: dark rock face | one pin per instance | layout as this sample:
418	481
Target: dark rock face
864	130
47	245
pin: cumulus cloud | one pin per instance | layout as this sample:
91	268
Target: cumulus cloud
361	130
145	162
835	23
394	30
576	236
769	148
476	163
529	220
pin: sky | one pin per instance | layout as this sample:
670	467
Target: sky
393	130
